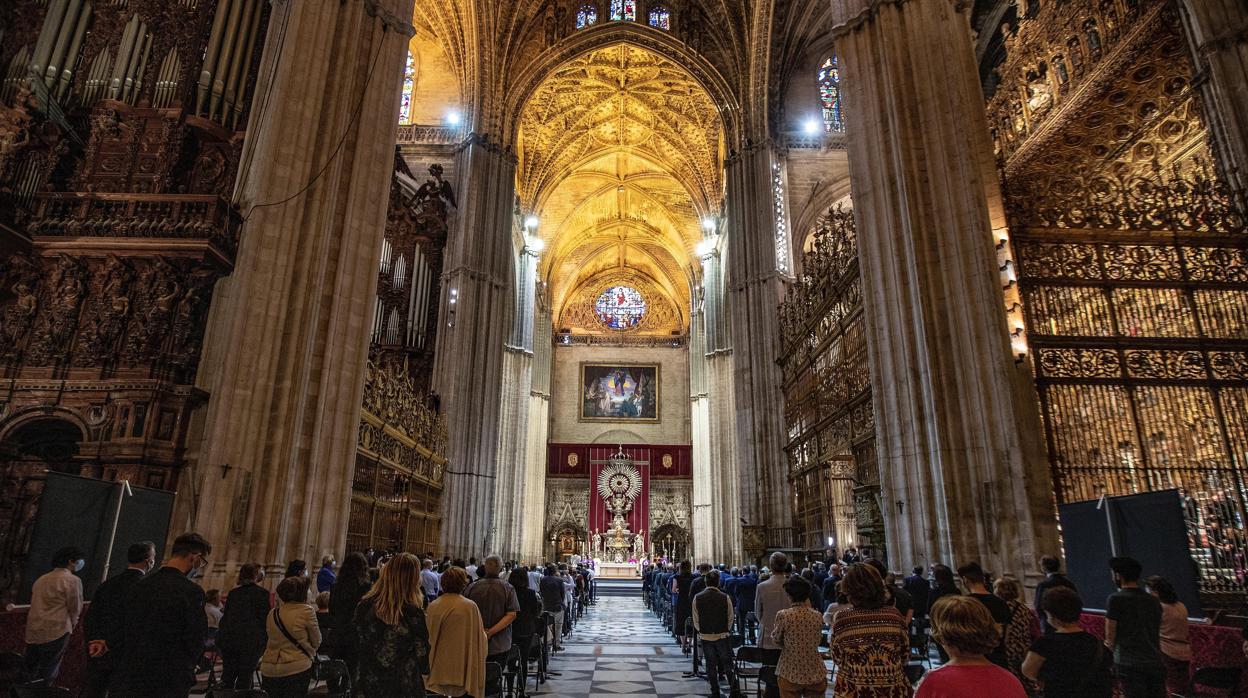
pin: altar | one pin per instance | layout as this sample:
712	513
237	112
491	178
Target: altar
616	570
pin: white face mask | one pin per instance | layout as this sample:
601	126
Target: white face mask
79	565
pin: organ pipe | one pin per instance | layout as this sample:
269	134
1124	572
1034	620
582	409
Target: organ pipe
237	83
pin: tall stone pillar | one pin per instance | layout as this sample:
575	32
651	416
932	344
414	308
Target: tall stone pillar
758	262
1218	30
533	497
510	500
962	473
716	488
288	334
478	305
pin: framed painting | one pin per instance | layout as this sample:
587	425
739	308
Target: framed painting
619	392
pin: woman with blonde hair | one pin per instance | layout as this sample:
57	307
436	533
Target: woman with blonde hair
967	631
456	640
393	638
1021	631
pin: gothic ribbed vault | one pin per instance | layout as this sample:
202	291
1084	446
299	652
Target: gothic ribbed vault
620	157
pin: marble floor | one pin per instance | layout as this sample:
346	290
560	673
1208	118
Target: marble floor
618	650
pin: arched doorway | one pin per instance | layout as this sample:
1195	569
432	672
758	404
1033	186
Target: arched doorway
564	540
27	452
671	542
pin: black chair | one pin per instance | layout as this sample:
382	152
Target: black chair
1218	679
337	679
767	683
38	690
741	661
237	693
914	672
493	680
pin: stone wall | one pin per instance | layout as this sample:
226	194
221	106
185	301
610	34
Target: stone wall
673	424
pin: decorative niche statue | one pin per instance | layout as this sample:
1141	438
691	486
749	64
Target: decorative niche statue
434	195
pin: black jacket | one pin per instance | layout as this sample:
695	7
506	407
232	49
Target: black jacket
242	628
106	616
165	631
344	597
1050	582
528	620
920	589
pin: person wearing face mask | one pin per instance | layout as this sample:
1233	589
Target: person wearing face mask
165	624
55	602
105	620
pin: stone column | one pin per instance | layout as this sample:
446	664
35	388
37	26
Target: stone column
963	475
757	264
513	451
533	508
716	488
478	305
1218	30
288	334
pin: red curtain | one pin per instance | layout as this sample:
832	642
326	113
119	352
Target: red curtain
572	460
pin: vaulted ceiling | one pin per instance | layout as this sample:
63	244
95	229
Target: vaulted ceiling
620	145
620	155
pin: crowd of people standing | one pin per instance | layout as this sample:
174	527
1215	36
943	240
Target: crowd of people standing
874	625
397	625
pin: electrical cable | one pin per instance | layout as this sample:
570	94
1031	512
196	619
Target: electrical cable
359	107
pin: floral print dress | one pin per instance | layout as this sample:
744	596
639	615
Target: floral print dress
1024	626
393	658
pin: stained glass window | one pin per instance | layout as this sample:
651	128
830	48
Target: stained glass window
620	307
587	15
830	95
409	82
624	9
660	18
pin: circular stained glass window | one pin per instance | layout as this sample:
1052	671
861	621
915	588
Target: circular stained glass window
620	307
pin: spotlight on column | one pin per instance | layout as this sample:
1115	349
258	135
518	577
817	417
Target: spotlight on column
537	244
705	247
709	224
531	222
453	117
811	127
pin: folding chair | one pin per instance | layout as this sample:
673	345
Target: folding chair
511	671
745	656
237	693
493	680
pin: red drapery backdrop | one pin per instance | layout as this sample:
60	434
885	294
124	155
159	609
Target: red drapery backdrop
639	517
666	462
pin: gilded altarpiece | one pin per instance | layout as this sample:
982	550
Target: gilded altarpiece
1132	269
401	450
827	387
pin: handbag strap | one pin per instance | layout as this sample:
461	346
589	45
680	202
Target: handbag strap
277	620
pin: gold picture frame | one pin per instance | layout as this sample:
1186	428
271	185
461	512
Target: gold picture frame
619	392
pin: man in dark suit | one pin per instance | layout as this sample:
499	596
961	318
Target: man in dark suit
919	588
165	624
105	622
829	586
1052	578
746	588
243	634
